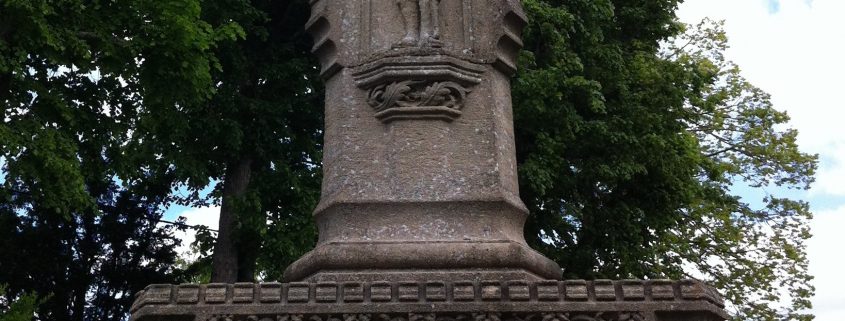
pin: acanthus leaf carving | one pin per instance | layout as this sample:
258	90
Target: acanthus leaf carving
422	317
555	316
289	317
223	317
356	317
417	93
631	316
524	317
487	316
418	87
453	317
388	317
597	316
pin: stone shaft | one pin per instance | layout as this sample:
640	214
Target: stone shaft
419	160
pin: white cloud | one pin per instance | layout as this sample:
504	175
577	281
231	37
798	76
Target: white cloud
797	53
794	54
207	216
826	262
831	176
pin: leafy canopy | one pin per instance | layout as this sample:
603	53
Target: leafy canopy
633	131
78	232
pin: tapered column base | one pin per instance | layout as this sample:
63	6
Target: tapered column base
501	260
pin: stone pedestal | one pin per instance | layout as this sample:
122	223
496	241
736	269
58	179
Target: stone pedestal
420	217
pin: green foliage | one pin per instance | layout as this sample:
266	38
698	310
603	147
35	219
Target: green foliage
92	263
631	134
21	309
266	107
755	255
605	162
74	76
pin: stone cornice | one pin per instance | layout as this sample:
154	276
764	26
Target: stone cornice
522	297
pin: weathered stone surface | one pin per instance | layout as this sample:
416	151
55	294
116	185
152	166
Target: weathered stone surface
350	33
419	159
434	300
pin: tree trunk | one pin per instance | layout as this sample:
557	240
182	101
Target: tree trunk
249	240
5	88
224	266
247	259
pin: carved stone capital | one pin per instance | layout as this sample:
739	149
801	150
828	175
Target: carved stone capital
412	99
418	87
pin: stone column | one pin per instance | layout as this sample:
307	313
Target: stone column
419	165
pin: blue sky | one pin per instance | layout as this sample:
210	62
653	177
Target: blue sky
207	216
774	6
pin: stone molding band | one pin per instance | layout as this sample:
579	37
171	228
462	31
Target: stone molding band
529	300
428	255
475	316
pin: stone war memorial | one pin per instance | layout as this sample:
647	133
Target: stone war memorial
420	217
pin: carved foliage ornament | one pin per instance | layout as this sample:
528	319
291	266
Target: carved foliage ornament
478	316
418	87
416	93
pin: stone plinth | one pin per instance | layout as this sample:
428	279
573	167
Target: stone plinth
433	300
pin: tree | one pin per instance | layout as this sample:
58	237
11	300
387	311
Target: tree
21	309
604	158
629	142
90	265
73	77
256	139
756	255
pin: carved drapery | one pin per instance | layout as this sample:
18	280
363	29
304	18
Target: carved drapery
350	33
421	19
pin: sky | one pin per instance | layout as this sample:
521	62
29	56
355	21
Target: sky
795	50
